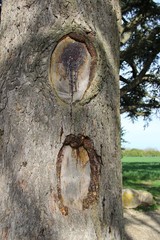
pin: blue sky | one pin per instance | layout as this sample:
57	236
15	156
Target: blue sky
141	138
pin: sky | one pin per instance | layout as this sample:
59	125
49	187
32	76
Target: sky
139	137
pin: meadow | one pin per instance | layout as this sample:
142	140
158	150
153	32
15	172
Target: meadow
142	173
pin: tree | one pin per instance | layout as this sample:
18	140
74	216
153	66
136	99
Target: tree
140	83
60	151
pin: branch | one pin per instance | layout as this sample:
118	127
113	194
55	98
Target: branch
133	24
140	44
124	80
142	105
139	78
128	7
128	27
152	6
134	68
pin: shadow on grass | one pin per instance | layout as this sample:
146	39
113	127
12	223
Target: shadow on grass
143	176
141	171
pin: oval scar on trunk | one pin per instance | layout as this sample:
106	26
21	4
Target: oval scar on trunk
78	171
71	67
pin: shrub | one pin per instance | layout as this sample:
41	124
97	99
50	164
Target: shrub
140	153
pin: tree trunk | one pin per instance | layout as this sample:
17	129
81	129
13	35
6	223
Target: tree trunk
59	124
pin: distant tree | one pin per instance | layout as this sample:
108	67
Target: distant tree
140	47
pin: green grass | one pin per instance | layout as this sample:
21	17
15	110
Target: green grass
142	173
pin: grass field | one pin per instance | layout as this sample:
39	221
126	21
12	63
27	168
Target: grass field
142	173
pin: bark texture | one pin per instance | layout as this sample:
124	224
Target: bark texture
35	123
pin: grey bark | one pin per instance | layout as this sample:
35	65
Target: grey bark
34	122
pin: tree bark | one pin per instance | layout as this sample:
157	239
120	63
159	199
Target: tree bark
60	159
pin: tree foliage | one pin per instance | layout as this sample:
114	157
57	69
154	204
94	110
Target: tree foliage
140	47
134	152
